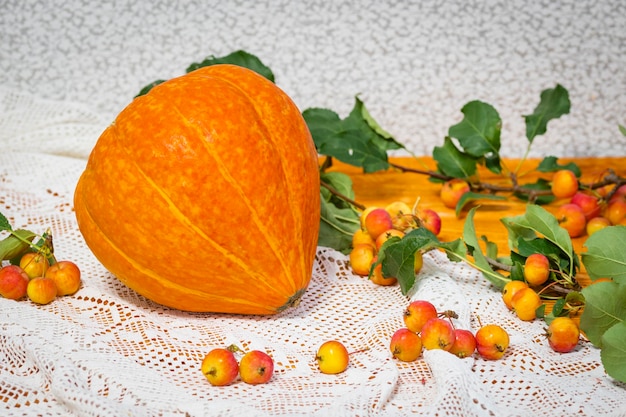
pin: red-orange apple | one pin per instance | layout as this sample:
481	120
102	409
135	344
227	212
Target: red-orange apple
571	218
361	258
405	345
492	341
401	215
361	237
464	343
536	269
563	334
386	235
616	211
430	220
596	224
66	276
256	367
437	333
509	291
332	357
564	184
590	205
41	290
34	264
364	215
452	191
525	303
220	367
13	282
378	221
417	313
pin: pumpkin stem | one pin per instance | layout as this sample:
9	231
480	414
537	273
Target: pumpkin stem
293	301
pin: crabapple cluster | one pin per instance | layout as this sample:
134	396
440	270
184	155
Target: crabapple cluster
220	366
39	280
379	224
586	211
562	333
521	298
426	328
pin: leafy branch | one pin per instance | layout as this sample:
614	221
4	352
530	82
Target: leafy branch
20	241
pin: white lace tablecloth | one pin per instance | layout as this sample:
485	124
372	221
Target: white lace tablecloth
107	351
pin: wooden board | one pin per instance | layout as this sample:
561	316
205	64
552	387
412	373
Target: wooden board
382	188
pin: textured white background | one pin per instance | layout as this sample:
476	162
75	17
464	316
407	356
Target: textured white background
415	63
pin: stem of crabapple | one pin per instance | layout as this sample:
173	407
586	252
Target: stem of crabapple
234	348
557	287
450	314
365	349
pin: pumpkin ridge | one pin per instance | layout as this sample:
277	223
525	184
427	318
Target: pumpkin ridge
167	284
178	214
301	253
251	207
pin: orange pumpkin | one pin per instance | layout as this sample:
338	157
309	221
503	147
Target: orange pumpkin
204	195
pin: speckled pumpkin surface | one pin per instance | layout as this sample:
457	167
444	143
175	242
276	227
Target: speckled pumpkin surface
203	195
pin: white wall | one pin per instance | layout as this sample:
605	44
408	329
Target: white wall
414	63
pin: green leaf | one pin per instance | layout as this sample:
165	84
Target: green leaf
605	256
540	313
527	247
491	248
356	140
4	223
16	244
540	221
493	163
479	131
340	182
361	119
480	261
398	260
517	271
337	225
334	137
622	129
398	255
149	87
240	58
471	196
557	309
554	103
390	142
550	164
452	162
613	353
604	308
516	230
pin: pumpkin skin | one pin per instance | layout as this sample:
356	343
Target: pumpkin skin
204	195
